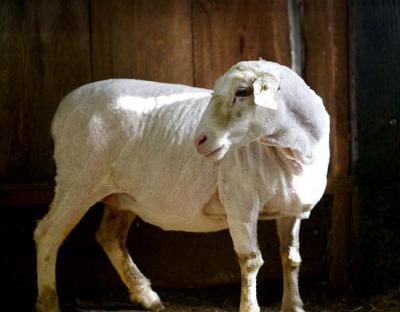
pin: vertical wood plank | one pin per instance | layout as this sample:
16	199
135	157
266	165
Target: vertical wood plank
325	29
226	32
45	53
142	39
339	242
327	71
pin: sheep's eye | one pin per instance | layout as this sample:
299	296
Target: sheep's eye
243	92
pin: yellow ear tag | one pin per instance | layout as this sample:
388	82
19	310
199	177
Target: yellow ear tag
263	95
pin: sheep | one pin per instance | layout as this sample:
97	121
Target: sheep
187	159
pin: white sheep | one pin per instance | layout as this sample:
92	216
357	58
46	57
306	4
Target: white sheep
262	141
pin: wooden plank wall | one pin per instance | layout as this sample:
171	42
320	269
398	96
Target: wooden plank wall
145	39
45	52
224	37
51	47
325	31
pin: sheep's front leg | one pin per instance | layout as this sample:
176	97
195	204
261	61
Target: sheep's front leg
244	236
288	232
243	230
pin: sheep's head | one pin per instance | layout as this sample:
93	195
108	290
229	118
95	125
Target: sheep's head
238	110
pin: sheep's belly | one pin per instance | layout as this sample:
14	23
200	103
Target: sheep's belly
174	222
177	216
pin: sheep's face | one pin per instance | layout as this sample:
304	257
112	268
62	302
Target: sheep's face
236	114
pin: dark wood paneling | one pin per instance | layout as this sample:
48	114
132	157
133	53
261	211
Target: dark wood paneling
144	39
45	52
375	72
325	30
226	32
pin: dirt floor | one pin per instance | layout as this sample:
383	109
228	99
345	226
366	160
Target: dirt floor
226	299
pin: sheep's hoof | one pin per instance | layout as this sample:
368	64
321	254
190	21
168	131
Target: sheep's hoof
47	301
250	308
148	299
292	309
43	308
157	306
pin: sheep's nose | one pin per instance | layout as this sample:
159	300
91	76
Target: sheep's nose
201	139
204	140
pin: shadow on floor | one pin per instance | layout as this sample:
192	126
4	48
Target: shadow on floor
215	299
226	299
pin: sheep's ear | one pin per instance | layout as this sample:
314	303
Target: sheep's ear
265	87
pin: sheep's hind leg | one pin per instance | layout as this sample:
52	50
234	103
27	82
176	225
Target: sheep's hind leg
65	212
288	232
112	235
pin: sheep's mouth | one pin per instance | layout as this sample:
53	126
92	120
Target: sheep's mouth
214	151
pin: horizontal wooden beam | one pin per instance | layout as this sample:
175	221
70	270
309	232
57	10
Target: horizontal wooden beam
26	194
42	193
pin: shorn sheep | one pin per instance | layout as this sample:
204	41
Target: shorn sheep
188	159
